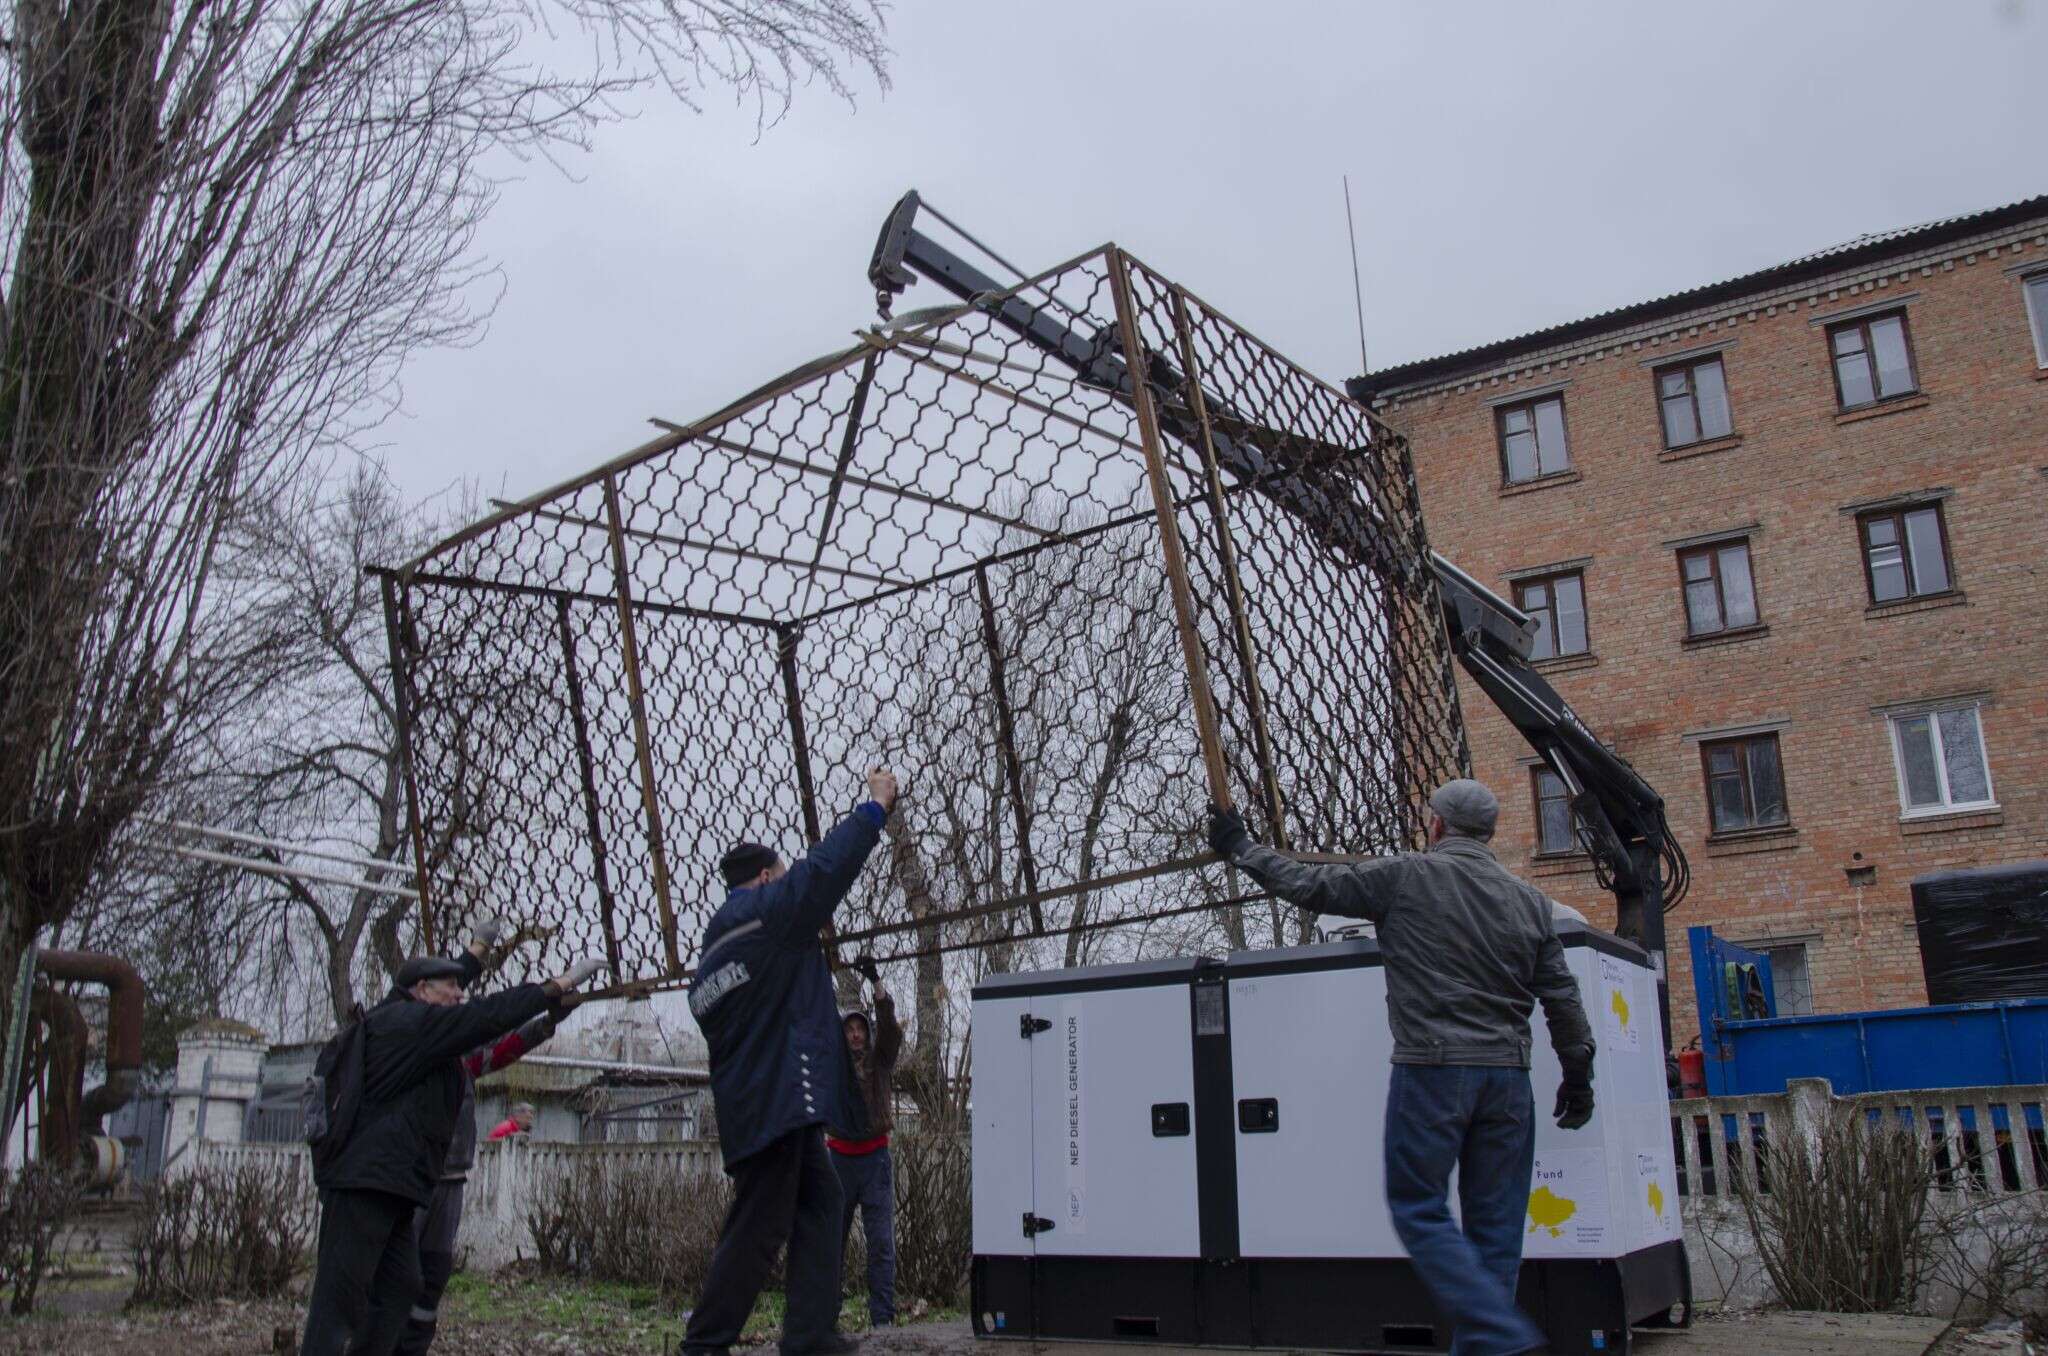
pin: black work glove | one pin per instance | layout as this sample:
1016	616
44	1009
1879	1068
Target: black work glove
864	966
1227	833
1574	1100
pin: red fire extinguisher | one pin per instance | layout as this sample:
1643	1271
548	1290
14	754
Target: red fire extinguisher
1692	1071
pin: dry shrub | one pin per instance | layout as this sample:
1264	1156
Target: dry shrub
222	1233
34	1204
638	1225
934	1216
1841	1218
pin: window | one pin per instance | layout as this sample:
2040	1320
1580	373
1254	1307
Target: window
1873	360
1905	553
1940	756
2037	314
1558	603
1532	439
1694	400
1745	783
1556	825
1791	976
1719	593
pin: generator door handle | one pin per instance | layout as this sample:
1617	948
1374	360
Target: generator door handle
1258	1116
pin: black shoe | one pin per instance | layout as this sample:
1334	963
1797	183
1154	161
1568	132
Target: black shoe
838	1344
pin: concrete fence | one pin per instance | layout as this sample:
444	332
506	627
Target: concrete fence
509	1179
1988	1144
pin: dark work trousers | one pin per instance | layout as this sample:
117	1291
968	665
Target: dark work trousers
1481	1122
366	1275
787	1191
434	1226
868	1181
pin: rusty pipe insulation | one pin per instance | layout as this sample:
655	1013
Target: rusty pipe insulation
64	1056
124	1025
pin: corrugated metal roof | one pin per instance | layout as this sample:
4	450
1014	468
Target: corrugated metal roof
1869	247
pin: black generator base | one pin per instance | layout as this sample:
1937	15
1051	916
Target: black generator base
1329	1305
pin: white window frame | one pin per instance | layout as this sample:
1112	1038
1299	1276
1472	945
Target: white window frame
1947	807
2034	296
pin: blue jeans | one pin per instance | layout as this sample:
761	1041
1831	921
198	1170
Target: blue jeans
1481	1122
869	1183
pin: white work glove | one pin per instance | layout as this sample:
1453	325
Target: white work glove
487	931
576	975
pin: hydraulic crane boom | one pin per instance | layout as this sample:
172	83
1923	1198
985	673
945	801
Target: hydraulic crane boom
1619	817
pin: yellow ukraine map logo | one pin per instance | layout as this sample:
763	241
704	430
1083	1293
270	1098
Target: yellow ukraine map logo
1547	1210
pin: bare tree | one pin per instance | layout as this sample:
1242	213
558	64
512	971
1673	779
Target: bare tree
225	227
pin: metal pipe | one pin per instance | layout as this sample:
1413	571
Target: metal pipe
124	1025
279	869
278	845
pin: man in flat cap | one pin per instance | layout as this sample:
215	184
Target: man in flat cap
780	1071
367	1271
1469	951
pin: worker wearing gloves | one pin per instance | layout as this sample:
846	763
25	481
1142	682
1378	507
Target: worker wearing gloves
860	1149
436	1224
779	1072
367	1271
1469	950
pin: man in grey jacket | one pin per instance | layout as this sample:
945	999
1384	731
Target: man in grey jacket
1469	951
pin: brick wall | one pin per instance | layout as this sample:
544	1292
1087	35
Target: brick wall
1823	659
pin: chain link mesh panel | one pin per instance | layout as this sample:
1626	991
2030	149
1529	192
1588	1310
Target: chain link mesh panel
937	549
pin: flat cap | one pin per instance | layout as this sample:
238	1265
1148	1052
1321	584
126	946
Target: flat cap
428	967
1466	806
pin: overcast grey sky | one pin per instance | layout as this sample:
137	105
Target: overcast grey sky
1513	165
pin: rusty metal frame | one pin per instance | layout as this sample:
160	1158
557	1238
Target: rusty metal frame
1206	725
629	651
1226	549
1293	433
579	724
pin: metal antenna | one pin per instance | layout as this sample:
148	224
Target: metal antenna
1357	287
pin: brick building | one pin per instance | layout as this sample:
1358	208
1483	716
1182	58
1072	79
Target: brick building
1787	537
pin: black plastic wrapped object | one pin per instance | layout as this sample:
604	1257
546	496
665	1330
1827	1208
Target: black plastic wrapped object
1984	932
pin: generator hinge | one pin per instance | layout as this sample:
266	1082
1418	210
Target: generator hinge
1029	1026
1034	1225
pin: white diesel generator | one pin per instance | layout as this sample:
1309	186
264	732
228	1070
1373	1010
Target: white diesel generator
1188	1151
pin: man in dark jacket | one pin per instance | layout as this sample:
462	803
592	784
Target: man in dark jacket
436	1224
1469	951
779	1071
412	1094
860	1149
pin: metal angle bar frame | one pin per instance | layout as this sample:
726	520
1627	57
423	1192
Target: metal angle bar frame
879	486
1247	651
457	581
996	388
579	724
1006	738
1169	538
793	700
849	441
709	548
676	435
397	621
650	796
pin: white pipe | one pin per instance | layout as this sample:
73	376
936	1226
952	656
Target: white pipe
279	845
263	868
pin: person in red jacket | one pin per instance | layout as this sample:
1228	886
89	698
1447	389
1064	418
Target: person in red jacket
518	1123
860	1153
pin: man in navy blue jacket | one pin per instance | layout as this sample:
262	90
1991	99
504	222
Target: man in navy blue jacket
779	1072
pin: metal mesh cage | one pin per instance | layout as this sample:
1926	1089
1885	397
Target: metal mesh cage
1069	596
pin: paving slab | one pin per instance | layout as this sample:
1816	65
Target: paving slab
1772	1333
